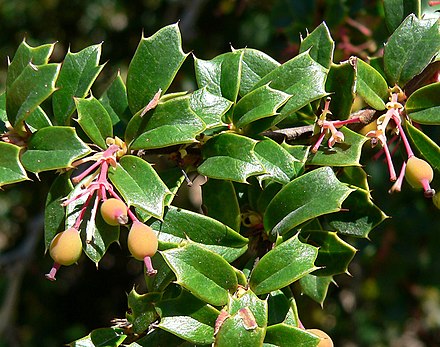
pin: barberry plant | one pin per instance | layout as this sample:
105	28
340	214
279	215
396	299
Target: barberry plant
279	146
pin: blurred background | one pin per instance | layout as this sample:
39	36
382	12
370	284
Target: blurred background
393	295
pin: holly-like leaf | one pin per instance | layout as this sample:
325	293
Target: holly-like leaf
188	317
302	77
158	337
172	122
38	120
154	65
179	224
424	145
11	170
142	310
410	49
397	10
370	85
257	307
310	195
315	287
103	337
139	185
34	85
54	213
231	157
255	65
53	148
280	307
283	265
78	72
193	266
163	277
260	103
94	120
283	335
320	44
347	153
220	202
279	164
423	106
209	107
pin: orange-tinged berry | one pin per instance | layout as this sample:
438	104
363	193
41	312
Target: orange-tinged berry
114	212
66	247
142	241
419	174
326	341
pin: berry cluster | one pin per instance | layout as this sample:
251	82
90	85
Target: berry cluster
66	247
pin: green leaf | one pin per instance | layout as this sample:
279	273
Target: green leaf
172	122
370	85
78	72
279	306
193	266
53	148
316	193
320	44
284	335
260	103
103	337
410	49
230	157
179	224
220	202
279	164
257	306
11	170
3	115
24	55
347	153
34	85
154	66
315	287
334	254
209	107
283	265
188	317
54	212
94	120
397	10
158	337
139	185
302	77
341	83
163	277
255	65
423	106
424	145
142	310
38	120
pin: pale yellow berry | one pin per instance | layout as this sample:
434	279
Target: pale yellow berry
142	241
326	341
114	212
66	247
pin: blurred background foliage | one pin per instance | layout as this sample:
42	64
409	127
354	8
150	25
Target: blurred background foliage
393	296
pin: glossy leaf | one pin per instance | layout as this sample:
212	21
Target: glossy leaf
283	265
3	115
397	10
255	66
94	120
410	49
139	185
158	337
193	266
154	66
142	310
78	72
53	148
231	157
179	225
347	153
34	85
256	306
260	103
163	277
103	337
172	122
320	44
315	287
284	335
188	317
38	120
370	85
279	305
302	77
11	169
278	163
316	193
220	202
423	106
209	107
424	145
